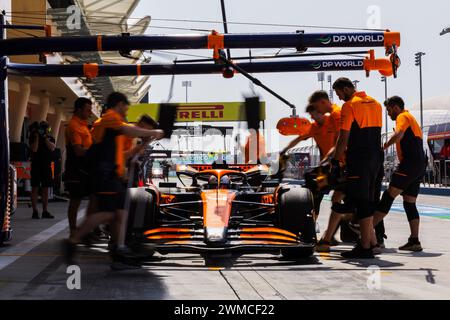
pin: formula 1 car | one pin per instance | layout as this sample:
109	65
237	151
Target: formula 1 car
232	209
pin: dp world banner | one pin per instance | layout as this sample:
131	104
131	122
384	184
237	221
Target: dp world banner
202	111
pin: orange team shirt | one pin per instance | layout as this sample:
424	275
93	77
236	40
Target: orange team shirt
327	134
336	116
111	120
77	132
258	149
366	114
128	143
411	145
365	110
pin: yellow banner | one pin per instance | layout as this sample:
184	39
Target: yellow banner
202	111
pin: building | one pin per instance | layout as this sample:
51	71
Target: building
51	99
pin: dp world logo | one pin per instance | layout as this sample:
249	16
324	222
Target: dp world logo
325	40
316	65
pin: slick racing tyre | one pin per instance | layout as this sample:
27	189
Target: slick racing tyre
142	215
295	215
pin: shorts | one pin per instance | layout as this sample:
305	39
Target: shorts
77	186
407	177
362	184
41	176
108	190
109	202
76	190
362	180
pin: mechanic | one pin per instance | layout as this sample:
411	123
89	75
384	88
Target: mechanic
360	140
325	131
42	146
255	148
106	168
134	149
166	170
78	141
407	177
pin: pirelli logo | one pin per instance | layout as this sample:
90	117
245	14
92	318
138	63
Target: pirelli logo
205	112
197	111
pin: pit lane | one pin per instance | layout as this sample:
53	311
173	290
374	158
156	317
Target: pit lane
31	267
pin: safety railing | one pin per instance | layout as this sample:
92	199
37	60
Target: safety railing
438	175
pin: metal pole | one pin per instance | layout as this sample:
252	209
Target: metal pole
384	79
4	138
26	46
330	80
257	82
419	56
225	24
106	70
421	95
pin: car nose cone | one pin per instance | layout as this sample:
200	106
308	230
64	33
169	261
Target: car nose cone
215	235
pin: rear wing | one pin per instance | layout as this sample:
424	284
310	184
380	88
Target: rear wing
247	168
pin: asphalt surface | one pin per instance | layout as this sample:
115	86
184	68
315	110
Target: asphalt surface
31	267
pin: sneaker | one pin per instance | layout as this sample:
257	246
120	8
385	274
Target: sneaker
91	239
123	253
323	246
68	250
412	245
100	234
358	252
47	215
35	215
378	249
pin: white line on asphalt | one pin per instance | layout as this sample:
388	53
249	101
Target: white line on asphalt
29	244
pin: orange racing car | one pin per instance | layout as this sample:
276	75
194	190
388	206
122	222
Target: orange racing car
222	209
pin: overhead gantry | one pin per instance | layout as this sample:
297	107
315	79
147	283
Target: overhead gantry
219	63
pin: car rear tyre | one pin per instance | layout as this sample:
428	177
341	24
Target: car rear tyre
142	215
295	215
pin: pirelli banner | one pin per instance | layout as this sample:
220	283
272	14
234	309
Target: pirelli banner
197	112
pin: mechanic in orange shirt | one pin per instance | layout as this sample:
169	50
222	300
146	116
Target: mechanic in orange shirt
107	169
360	141
134	148
324	130
407	177
255	148
78	141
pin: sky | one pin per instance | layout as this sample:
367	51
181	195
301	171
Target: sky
419	23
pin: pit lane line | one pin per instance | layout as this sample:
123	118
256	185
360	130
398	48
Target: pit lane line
425	210
10	255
